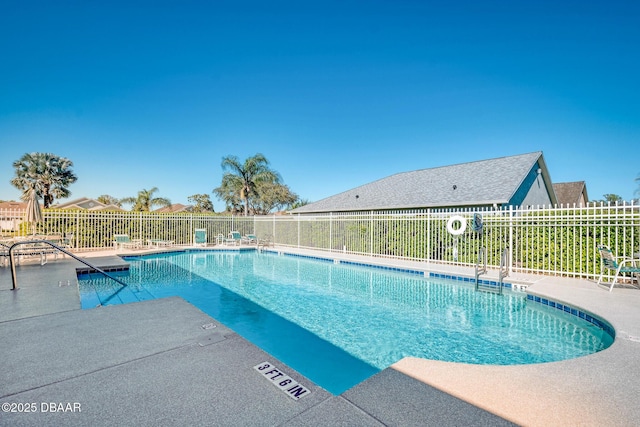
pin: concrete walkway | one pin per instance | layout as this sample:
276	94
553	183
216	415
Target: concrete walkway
164	362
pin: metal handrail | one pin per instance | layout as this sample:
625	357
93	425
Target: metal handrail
482	256
502	273
504	270
64	251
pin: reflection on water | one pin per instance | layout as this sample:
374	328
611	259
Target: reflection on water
375	315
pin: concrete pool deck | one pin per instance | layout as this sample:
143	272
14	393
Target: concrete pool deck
136	365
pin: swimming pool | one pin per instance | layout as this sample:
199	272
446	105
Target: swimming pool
338	324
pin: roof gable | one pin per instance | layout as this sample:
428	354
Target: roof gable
479	183
13	205
87	204
569	193
175	208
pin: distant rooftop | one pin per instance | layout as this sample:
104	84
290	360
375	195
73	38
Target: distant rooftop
86	204
571	193
176	207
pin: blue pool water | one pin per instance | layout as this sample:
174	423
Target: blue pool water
339	324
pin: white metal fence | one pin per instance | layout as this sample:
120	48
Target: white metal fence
555	241
95	230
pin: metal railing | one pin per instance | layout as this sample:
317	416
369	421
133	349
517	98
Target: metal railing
481	266
559	241
546	240
43	244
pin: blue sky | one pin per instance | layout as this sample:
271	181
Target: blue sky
335	94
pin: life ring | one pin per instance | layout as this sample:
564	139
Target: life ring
456	231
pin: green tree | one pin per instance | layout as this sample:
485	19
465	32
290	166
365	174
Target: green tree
145	201
109	200
272	196
240	181
300	202
48	174
612	198
202	203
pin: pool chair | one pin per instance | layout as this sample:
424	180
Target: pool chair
200	237
4	253
234	238
619	265
249	239
67	241
122	241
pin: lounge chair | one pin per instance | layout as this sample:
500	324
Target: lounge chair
266	241
32	250
234	238
67	241
250	238
200	237
4	253
618	264
22	251
122	241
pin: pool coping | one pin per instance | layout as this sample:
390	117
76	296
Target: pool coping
599	389
557	393
571	394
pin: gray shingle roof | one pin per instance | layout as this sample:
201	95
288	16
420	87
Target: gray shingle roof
478	183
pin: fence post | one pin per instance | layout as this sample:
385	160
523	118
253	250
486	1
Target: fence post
371	232
428	252
330	231
76	236
510	250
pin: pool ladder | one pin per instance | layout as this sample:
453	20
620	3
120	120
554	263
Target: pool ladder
502	273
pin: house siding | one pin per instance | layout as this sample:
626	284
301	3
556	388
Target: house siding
533	191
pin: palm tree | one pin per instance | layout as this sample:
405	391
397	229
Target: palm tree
48	174
241	181
109	200
145	201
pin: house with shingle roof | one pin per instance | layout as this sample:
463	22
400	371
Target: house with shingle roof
87	204
521	180
175	208
571	193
